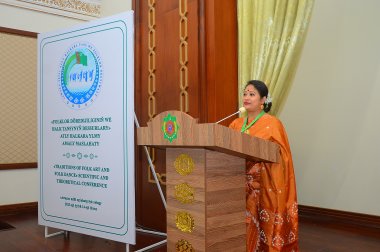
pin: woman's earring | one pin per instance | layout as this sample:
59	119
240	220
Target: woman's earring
262	106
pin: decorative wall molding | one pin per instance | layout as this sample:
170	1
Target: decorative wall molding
183	57
18	166
324	215
78	9
18	208
152	104
319	215
18	32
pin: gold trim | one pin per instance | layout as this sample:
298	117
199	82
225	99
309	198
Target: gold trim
77	6
161	177
183	57
152	84
151	59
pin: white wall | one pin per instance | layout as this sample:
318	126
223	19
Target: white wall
115	6
332	113
20	186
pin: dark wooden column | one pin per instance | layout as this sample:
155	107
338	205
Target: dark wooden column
185	53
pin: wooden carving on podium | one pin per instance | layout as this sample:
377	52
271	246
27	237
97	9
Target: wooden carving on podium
205	166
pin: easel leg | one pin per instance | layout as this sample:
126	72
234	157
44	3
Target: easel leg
161	195
47	235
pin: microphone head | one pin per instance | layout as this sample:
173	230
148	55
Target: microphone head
242	110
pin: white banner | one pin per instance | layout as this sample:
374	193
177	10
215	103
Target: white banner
86	130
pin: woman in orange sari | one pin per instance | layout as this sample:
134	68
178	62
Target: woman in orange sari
271	210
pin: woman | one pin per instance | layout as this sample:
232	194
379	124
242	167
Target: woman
271	211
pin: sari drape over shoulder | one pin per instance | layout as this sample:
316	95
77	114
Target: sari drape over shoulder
271	208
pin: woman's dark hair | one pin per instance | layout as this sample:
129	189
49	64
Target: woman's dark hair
263	91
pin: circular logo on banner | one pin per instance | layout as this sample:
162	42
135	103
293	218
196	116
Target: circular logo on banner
80	75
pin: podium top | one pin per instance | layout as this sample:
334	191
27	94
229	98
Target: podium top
173	129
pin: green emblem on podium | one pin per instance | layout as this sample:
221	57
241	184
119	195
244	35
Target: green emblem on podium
170	127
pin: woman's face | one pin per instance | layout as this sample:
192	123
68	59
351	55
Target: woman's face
251	99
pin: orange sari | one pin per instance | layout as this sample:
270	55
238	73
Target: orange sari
272	210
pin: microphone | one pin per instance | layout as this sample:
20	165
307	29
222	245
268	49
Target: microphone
241	110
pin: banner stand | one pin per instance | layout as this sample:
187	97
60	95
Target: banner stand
161	195
152	168
66	233
47	235
151	246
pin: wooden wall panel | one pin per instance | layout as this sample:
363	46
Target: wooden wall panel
219	96
212	77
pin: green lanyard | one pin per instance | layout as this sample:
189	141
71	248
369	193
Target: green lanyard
245	128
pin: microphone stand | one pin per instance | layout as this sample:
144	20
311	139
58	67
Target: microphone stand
228	117
241	110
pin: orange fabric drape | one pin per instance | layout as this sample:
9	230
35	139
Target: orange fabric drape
272	210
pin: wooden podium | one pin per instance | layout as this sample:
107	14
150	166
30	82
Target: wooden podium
205	168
